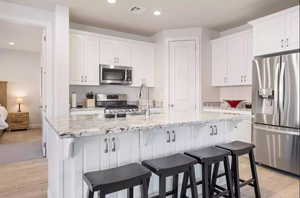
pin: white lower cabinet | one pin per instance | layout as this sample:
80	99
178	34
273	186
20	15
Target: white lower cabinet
112	150
243	131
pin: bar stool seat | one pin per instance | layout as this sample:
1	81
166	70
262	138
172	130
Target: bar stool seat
237	147
207	157
208	154
115	179
167	164
172	166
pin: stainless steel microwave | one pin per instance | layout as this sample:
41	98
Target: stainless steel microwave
120	75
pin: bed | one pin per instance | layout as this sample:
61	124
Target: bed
3	106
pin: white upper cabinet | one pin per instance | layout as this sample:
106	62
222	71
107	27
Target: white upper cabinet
84	60
114	52
292	29
88	51
92	61
143	63
219	63
232	60
77	59
277	32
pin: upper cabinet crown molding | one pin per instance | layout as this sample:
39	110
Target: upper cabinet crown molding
275	33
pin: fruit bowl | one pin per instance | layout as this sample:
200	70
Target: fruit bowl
233	103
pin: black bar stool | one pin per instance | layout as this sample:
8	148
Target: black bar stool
213	156
116	179
172	166
238	148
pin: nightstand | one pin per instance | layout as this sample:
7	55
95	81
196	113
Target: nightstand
18	121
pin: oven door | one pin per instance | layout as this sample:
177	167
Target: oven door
114	75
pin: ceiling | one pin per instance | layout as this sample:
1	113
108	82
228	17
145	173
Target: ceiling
25	37
216	14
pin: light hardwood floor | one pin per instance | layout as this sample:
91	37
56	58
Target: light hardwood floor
29	180
13	137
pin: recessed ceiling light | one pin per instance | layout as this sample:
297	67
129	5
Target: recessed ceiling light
112	1
11	43
156	13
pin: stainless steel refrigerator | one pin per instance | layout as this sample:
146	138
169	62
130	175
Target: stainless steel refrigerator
276	111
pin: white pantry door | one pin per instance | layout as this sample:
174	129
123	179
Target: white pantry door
182	77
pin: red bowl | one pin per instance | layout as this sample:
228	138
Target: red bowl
233	103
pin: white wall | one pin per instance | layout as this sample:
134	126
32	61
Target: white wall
237	93
22	72
44	18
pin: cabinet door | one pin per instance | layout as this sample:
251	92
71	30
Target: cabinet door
292	29
247	65
242	132
77	59
143	64
236	57
269	35
123	53
108	52
92	61
182	138
219	62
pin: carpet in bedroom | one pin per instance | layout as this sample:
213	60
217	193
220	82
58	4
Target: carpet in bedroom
10	153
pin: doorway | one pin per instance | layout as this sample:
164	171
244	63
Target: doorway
22	76
183	76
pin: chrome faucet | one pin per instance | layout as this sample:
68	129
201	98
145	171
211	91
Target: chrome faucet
143	85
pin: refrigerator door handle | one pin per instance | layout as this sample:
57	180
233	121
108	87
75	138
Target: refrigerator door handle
281	89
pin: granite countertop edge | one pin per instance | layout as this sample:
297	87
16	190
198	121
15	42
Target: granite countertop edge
137	127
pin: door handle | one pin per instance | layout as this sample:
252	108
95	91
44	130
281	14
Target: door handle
113	141
174	136
106	145
212	131
287	42
282	44
169	137
216	130
242	78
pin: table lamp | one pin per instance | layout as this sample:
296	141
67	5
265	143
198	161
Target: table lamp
19	102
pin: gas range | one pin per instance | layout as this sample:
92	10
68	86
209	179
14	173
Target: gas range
115	105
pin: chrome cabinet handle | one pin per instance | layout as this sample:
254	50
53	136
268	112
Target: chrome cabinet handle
174	136
242	78
81	78
113	140
106	145
85	78
212	131
216	130
287	42
169	137
282	43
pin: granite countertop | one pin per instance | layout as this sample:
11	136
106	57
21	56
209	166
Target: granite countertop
87	125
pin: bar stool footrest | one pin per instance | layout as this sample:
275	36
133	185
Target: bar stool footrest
247	182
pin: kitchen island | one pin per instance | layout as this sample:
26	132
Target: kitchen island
82	143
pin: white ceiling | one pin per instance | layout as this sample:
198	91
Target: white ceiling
216	14
26	37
